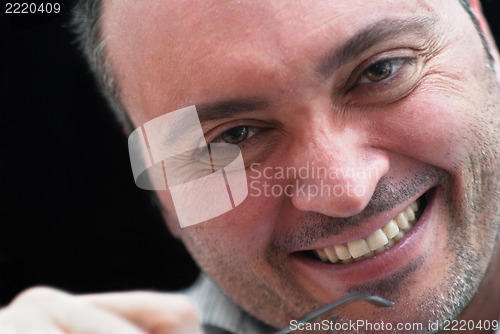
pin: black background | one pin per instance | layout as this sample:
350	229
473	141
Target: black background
70	214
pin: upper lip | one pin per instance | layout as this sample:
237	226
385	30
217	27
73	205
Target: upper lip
369	226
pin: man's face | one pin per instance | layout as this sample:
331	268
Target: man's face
394	99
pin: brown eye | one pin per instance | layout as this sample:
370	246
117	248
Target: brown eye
381	70
236	135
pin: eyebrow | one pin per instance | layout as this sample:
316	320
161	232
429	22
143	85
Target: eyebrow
228	108
362	41
373	34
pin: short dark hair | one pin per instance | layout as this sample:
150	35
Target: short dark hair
86	23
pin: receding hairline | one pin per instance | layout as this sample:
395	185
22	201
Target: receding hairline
87	24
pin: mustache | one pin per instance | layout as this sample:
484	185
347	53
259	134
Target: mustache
315	226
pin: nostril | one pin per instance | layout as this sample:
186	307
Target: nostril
331	200
341	189
351	205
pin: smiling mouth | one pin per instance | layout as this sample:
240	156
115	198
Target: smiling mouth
375	243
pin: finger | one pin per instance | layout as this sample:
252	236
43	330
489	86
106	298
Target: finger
25	319
157	313
52	310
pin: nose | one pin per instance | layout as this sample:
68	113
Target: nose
340	171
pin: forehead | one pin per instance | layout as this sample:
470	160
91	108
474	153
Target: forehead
210	46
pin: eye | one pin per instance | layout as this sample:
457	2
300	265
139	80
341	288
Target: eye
236	135
381	70
385	78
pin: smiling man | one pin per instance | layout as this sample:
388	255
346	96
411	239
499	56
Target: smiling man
392	108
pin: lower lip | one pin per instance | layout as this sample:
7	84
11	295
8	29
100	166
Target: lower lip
411	247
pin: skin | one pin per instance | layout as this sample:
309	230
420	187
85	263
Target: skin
435	125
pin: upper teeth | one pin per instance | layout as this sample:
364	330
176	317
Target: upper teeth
377	242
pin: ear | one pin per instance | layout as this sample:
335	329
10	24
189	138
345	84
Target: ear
172	224
483	25
167	209
478	13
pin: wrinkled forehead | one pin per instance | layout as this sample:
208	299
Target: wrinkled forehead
204	25
169	45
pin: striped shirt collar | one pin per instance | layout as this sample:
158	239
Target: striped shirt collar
217	310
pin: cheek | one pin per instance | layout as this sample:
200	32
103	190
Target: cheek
242	233
250	225
429	128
